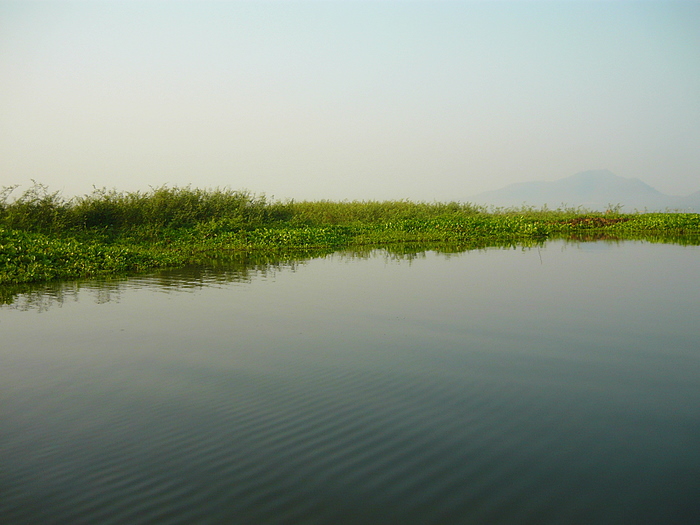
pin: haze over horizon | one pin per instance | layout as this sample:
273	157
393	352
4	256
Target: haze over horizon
348	100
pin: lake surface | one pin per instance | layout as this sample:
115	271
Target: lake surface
552	385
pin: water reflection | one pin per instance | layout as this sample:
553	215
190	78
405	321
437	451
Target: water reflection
224	270
246	267
212	272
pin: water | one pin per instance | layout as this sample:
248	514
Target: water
553	385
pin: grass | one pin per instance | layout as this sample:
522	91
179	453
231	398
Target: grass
45	237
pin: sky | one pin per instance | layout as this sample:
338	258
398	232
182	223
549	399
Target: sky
347	100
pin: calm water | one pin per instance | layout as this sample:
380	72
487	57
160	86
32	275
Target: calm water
558	385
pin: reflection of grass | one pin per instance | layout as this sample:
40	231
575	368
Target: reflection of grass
45	237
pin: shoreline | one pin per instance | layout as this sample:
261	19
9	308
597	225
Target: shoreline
34	256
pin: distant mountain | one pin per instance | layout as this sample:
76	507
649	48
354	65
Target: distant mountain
595	190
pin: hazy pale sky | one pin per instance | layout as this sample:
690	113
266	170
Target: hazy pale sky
339	100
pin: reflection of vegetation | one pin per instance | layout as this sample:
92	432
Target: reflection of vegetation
215	272
649	236
240	267
45	237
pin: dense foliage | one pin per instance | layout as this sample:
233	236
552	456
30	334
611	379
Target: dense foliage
44	236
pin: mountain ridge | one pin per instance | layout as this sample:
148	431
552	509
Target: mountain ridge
594	190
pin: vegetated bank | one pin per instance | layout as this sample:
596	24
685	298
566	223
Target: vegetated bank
44	236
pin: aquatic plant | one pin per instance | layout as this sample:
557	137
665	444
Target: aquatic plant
44	236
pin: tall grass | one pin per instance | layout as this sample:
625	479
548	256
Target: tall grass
317	213
224	210
39	210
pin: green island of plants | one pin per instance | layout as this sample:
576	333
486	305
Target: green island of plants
44	236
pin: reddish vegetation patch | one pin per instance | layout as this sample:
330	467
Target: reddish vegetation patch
595	222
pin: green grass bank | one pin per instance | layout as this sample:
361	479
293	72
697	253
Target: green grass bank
44	236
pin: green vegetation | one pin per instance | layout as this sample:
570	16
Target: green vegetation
44	236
